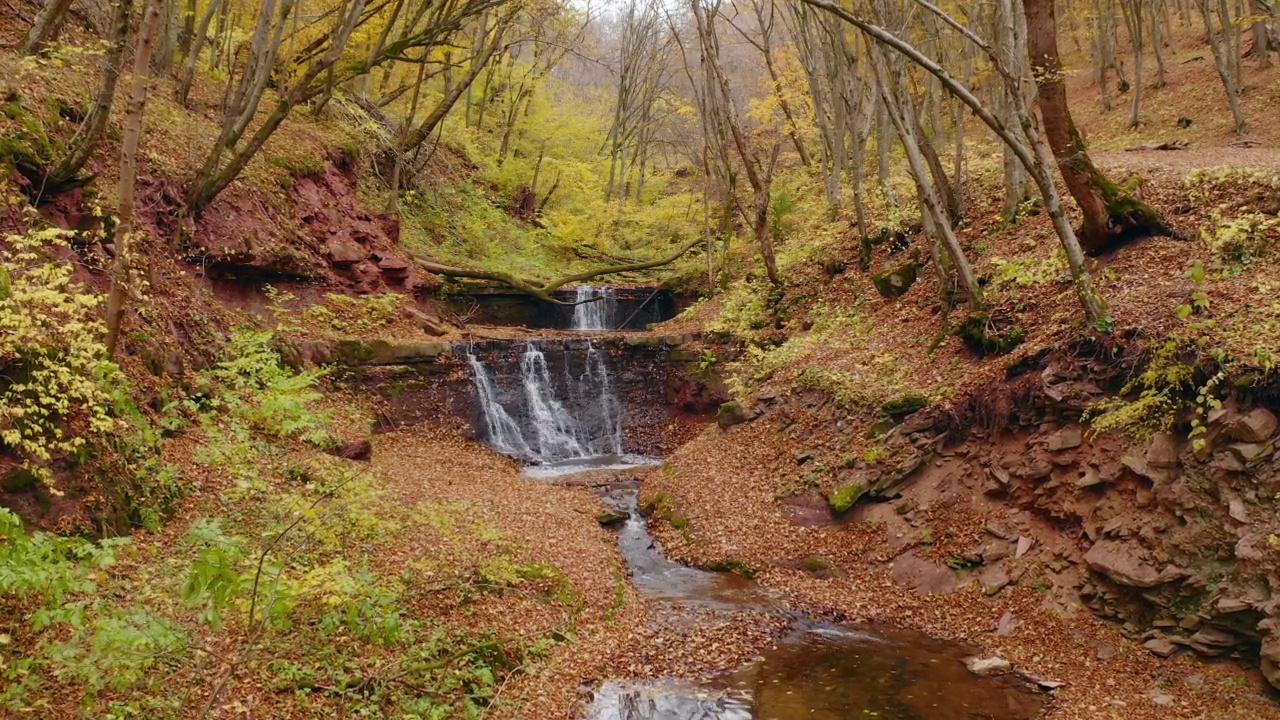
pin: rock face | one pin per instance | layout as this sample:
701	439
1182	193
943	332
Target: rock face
322	233
1171	537
429	381
1118	562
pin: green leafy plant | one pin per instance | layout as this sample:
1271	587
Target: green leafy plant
256	389
1151	401
54	375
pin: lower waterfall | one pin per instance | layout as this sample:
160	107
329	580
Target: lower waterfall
562	416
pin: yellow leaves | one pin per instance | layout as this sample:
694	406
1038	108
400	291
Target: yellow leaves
50	349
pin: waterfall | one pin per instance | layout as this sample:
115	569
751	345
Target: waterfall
595	308
555	429
501	430
533	417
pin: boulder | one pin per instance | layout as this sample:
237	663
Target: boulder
1122	563
1250	453
1163	451
342	251
1161	646
1007	624
610	518
1066	438
1024	546
993	579
896	282
428	324
393	267
1214	637
986	667
1255	426
845	497
1271	660
734	413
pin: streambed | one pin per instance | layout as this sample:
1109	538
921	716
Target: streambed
568	423
817	671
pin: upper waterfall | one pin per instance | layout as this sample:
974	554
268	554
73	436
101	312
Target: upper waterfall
595	308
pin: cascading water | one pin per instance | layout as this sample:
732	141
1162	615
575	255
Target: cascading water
501	430
595	308
559	421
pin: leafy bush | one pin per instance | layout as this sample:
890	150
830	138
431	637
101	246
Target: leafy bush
264	395
66	629
1150	402
356	315
54	375
1244	238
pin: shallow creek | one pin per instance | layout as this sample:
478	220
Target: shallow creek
819	671
564	417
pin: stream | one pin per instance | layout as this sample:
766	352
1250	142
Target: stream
818	671
567	421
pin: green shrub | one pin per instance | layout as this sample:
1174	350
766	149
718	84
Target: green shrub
256	389
54	375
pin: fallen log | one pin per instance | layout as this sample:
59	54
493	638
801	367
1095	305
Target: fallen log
543	290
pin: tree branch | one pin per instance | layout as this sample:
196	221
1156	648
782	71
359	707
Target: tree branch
543	291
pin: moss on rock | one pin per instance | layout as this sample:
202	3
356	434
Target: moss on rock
896	282
843	498
986	335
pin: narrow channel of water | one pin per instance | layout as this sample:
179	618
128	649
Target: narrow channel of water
821	671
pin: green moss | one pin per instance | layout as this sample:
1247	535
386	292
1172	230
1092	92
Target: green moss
815	563
734	566
985	335
878	428
679	522
611	518
896	282
844	498
904	405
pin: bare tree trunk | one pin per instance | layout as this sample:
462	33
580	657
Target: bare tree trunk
759	174
45	29
86	138
883	140
186	38
1133	21
1157	39
1027	145
420	133
193	55
120	269
902	115
1261	36
1110	211
1222	63
1233	33
167	38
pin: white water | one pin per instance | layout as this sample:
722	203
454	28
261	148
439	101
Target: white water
529	416
501	430
595	308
